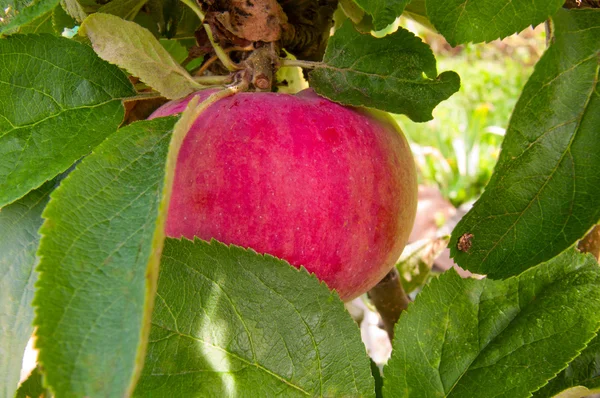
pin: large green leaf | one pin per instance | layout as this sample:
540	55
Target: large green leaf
387	73
58	100
134	48
475	338
230	322
384	12
582	374
545	191
19	223
41	24
463	21
100	248
23	13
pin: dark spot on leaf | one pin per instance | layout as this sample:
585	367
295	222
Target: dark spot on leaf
465	242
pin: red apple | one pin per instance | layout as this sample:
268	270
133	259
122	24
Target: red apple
302	178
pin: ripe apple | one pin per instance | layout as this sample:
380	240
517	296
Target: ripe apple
323	186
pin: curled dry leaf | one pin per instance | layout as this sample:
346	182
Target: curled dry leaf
253	20
417	259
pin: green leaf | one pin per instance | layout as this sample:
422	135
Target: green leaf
387	73
19	223
583	374
41	24
100	248
22	14
136	49
463	21
58	100
175	49
545	191
33	386
230	322
378	377
469	337
417	11
414	265
74	9
126	9
384	12
62	20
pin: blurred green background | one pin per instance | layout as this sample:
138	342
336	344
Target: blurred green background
458	149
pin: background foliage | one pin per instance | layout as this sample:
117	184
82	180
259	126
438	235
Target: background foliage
83	197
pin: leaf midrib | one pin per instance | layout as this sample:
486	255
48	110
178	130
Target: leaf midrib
241	359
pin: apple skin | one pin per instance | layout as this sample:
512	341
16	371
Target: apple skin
323	186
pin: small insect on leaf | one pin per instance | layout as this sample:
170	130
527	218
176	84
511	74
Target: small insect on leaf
465	242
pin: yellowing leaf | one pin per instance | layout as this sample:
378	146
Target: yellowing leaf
135	49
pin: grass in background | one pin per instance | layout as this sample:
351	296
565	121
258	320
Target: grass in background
458	149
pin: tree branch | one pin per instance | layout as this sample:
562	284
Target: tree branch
577	4
389	298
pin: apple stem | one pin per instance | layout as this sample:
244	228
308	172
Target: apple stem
283	62
144	96
389	298
213	80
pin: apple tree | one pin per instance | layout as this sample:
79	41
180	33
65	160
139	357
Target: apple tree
163	162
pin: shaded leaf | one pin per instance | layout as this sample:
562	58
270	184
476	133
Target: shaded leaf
378	377
545	191
74	9
581	378
24	12
468	337
417	11
58	100
230	322
136	49
384	12
41	24
101	241
387	73
19	224
33	386
126	9
463	21
175	49
62	20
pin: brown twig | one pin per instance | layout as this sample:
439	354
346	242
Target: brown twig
591	242
212	59
577	4
389	298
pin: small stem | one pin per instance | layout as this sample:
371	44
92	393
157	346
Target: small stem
212	59
206	65
222	54
229	64
283	62
213	80
389	298
194	6
144	96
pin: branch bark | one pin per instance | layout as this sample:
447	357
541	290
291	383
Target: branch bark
576	4
389	298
